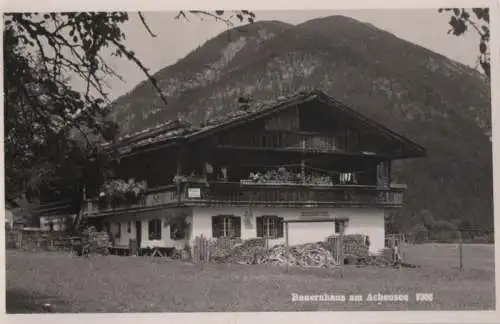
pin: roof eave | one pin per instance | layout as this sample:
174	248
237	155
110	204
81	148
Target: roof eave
285	104
325	98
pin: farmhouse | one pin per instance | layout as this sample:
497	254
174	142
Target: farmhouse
303	157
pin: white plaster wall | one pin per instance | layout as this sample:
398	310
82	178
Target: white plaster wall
367	221
9	218
144	218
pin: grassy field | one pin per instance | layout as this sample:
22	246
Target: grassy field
135	284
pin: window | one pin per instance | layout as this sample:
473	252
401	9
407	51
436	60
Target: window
270	226
340	224
129	227
178	228
154	229
118	230
226	226
337	227
347	178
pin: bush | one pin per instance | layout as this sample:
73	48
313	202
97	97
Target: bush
420	234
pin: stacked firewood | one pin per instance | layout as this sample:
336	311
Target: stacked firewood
311	255
253	251
385	259
244	253
180	254
219	249
355	247
99	241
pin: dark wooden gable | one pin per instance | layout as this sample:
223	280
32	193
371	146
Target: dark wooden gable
320	122
373	137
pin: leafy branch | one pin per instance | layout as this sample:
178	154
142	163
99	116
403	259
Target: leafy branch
461	21
52	129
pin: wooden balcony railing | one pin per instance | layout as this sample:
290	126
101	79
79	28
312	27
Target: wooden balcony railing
298	195
293	141
155	197
236	194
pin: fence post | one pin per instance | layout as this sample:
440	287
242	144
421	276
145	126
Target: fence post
460	249
201	255
402	246
287	248
341	250
20	239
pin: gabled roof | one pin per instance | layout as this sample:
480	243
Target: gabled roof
254	112
418	149
178	130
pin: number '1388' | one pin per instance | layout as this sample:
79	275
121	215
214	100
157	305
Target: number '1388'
424	297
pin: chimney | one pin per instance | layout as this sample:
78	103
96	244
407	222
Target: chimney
244	102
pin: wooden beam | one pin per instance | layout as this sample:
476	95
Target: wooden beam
389	171
345	140
341	249
316	220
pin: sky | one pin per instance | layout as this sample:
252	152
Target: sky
176	38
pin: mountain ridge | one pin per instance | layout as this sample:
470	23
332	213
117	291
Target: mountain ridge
397	83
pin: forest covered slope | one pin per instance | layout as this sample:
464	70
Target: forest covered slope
441	104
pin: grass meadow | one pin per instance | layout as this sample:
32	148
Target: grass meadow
142	284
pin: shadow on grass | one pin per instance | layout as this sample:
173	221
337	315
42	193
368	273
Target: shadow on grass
18	302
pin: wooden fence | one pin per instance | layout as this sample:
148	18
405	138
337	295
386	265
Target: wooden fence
36	240
40	240
204	250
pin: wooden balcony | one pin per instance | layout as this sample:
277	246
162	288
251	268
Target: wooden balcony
292	141
237	194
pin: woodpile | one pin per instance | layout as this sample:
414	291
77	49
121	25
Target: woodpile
311	255
355	247
241	253
99	241
253	251
180	254
384	259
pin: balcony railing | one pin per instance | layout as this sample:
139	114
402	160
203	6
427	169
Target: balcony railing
236	194
295	195
154	197
293	141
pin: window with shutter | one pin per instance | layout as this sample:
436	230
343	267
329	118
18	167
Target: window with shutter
216	226
280	226
150	230
236	226
154	229
340	225
270	226
260	226
226	226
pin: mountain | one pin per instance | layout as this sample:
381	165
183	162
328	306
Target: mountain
439	103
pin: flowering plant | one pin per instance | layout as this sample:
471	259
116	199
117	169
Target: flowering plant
121	190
